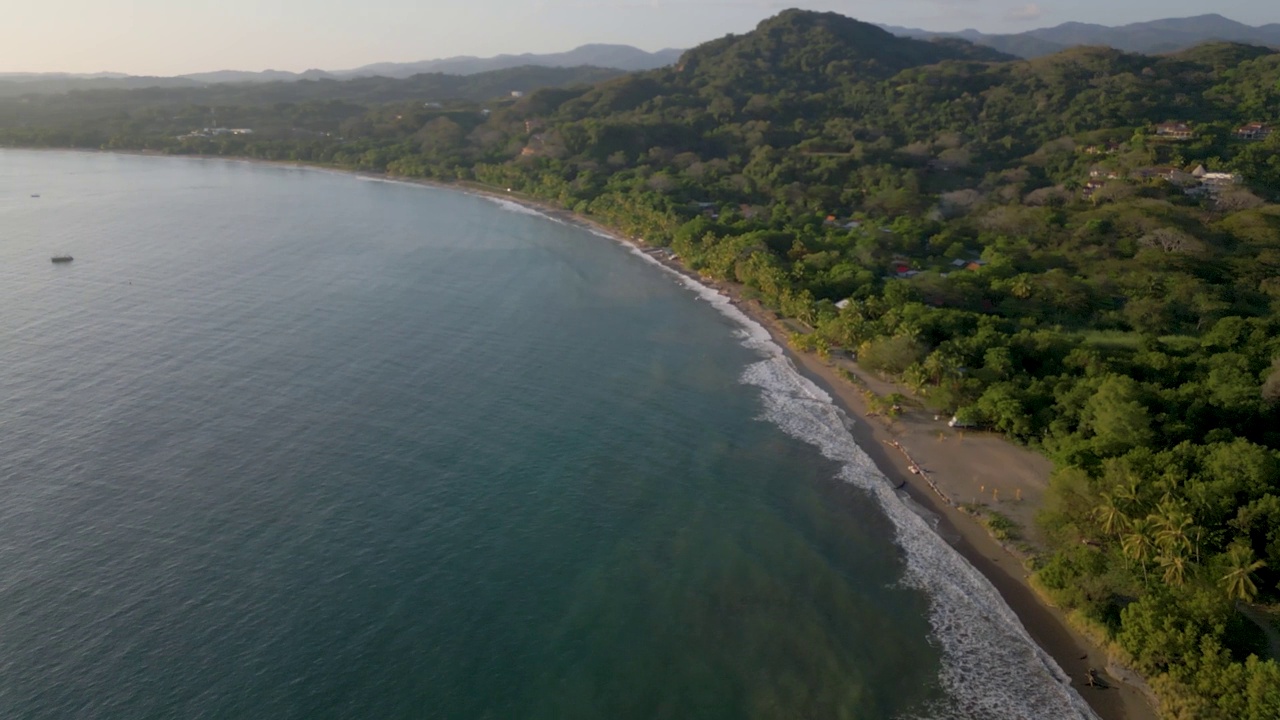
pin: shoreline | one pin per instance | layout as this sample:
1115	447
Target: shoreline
1075	653
1002	567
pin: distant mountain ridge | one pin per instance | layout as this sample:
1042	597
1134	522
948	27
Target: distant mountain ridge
1152	37
614	57
609	57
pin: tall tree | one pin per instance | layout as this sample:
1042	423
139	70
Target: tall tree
1175	566
1113	519
1137	545
1238	580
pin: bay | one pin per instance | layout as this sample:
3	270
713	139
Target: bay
282	443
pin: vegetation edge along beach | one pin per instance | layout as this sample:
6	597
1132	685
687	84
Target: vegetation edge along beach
1081	252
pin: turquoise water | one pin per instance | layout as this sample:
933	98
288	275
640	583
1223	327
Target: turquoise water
282	443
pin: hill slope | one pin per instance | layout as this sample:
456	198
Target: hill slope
813	50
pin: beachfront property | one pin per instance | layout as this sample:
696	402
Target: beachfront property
1174	131
1254	131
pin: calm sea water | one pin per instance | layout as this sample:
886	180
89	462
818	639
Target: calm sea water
289	444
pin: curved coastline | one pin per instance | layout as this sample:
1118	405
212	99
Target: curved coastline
826	401
1057	645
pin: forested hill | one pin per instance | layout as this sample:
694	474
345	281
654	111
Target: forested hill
1081	251
814	51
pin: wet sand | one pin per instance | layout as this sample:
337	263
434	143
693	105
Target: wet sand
958	467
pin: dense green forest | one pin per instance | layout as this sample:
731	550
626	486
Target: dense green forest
1029	244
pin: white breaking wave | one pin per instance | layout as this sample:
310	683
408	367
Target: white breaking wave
991	668
384	180
519	209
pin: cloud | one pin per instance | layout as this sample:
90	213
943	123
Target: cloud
1030	11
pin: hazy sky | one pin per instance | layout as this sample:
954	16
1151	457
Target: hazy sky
167	37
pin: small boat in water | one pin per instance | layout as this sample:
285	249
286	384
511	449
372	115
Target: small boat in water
63	258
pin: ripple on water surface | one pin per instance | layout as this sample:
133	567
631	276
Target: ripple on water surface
285	444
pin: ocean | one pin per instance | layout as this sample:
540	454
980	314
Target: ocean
286	443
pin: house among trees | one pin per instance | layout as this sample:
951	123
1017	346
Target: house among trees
845	224
1108	149
1174	130
1164	172
1105	173
1213	182
1092	187
1254	131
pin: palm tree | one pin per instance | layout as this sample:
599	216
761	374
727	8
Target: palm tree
1129	495
1175	568
1174	529
1239	578
1137	545
1113	519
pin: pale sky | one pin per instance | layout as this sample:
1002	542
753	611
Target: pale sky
168	37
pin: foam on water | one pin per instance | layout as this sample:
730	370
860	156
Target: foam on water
383	180
519	209
992	669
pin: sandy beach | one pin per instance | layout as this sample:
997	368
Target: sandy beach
959	469
969	467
